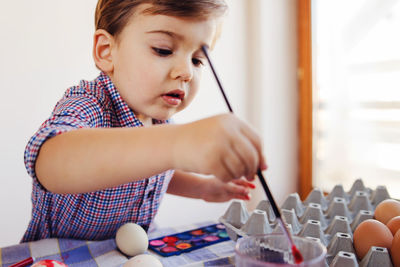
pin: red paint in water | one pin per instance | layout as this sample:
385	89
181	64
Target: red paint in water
298	258
49	263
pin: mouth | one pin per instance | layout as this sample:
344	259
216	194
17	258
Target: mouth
174	97
178	94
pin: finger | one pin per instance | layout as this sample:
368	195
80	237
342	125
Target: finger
234	164
256	141
243	182
263	163
237	191
227	173
245	161
245	151
251	177
242	196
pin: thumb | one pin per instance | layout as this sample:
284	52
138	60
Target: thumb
263	163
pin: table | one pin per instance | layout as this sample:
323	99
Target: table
105	253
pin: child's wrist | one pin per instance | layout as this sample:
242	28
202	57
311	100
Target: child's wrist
175	141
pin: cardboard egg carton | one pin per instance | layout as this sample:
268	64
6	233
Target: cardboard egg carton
329	219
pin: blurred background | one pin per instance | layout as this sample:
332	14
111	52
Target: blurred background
46	48
356	89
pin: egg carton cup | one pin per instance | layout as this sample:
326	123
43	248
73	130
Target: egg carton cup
329	219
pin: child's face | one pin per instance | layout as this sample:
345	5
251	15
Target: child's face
158	62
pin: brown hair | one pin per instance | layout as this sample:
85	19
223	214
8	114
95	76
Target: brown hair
113	15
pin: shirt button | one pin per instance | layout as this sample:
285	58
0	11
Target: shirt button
150	193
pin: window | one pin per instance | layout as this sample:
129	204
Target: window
356	93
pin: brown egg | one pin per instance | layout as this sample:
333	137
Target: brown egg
395	250
371	233
394	224
386	210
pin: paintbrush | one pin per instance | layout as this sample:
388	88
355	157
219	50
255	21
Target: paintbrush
24	263
298	258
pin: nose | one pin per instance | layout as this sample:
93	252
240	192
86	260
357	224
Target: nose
182	70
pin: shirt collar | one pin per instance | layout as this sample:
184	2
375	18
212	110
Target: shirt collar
125	114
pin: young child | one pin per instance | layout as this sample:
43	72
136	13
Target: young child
108	153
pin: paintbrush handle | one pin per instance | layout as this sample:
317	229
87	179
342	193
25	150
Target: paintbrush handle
271	199
274	206
259	173
204	48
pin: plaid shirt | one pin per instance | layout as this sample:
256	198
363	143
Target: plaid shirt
95	215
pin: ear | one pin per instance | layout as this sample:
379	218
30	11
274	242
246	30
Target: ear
102	46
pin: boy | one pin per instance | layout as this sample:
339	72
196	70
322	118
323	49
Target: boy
107	154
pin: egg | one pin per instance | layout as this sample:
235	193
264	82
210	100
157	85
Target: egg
371	233
394	224
386	210
395	250
132	239
143	260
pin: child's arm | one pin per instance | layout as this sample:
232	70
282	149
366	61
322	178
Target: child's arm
86	160
208	188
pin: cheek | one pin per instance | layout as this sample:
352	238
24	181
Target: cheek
146	78
138	66
194	86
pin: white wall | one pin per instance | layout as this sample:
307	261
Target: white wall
279	97
46	47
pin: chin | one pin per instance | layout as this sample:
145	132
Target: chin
166	113
163	117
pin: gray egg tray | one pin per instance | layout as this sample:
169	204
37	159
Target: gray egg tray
329	219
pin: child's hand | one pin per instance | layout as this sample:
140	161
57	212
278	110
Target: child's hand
217	191
221	145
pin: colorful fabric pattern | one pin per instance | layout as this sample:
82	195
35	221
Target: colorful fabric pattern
106	254
71	252
96	215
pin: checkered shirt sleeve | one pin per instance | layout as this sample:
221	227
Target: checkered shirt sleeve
70	113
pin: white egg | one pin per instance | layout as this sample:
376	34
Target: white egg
143	260
131	239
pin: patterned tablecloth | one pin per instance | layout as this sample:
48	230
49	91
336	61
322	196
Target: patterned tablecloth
105	253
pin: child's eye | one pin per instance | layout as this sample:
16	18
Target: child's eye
162	52
197	62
